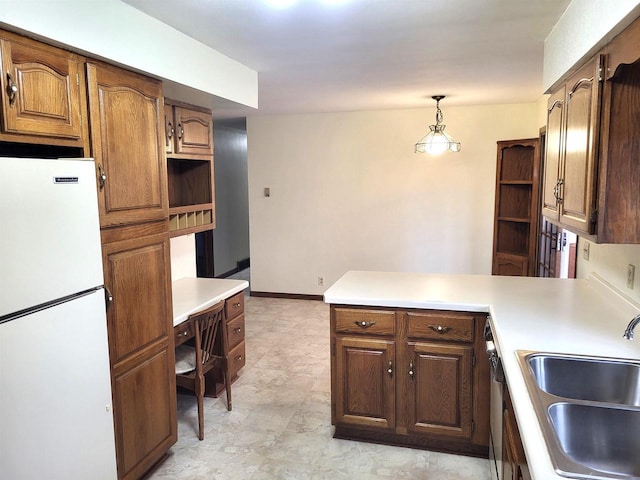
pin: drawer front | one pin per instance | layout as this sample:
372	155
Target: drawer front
235	331
234	306
451	327
182	332
236	359
365	322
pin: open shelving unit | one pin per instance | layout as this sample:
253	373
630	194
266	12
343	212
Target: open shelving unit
517	207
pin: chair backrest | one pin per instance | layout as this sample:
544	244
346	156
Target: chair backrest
207	326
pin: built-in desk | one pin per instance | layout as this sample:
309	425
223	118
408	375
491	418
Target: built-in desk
192	295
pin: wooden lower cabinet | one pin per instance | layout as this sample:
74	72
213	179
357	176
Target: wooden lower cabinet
365	383
140	328
514	461
409	377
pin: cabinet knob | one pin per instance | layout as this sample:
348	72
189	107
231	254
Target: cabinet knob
239	358
439	329
364	324
12	89
102	176
236	305
237	330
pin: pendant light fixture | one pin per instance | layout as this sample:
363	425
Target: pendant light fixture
437	141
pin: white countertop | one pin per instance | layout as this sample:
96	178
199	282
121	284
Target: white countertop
542	314
191	295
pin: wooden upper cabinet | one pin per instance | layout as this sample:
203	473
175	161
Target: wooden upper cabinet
582	110
553	154
188	130
126	114
569	195
42	90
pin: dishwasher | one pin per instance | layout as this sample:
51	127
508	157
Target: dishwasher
497	404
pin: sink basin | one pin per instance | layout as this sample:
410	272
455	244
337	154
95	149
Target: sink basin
604	439
588	409
585	378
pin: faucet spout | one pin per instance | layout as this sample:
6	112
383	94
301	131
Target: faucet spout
628	333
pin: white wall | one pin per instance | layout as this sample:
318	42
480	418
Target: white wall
347	192
584	28
113	30
183	256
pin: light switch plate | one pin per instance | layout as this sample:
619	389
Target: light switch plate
585	250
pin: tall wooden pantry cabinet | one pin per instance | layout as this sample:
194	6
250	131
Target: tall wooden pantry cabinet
126	114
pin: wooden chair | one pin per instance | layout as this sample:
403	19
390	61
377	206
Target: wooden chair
192	364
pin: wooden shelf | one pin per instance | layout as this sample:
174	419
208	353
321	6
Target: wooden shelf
516	211
191	219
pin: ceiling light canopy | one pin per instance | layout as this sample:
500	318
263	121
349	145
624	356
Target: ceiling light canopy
437	141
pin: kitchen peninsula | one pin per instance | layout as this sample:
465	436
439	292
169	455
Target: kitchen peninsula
549	315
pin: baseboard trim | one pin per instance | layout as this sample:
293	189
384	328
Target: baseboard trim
290	296
228	274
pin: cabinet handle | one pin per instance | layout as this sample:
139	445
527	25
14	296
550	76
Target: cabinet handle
390	369
108	297
12	89
237	330
180	131
364	324
102	176
184	334
236	305
556	191
239	358
411	372
170	130
439	329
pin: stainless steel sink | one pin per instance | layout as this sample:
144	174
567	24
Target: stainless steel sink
602	438
580	378
589	412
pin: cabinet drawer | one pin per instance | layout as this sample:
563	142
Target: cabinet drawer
234	306
451	327
235	331
366	322
182	332
236	359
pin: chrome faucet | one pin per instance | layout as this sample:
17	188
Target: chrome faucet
628	333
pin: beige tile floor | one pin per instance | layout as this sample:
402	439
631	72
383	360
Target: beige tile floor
280	426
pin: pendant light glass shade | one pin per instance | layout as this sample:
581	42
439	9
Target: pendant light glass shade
437	141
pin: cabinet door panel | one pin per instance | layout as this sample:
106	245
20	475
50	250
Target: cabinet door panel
581	110
553	154
440	390
48	93
365	388
127	141
145	418
135	272
194	131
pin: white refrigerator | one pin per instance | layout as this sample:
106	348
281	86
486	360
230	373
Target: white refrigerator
56	418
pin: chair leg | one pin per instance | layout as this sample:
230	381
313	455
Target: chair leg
227	384
200	396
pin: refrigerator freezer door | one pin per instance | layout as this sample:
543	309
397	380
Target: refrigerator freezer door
49	231
55	394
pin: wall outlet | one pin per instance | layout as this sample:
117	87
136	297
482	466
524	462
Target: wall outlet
585	250
631	273
321	281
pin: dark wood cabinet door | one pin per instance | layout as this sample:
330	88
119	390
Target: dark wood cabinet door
41	90
141	349
553	155
504	264
440	389
144	412
194	131
127	137
365	386
582	109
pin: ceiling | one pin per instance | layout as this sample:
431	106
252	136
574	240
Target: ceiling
347	55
